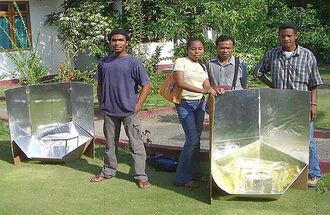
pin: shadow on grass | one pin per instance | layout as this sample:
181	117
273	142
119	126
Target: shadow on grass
245	199
84	165
164	180
157	178
5	151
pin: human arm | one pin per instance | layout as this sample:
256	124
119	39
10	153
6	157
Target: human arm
99	95
144	92
265	80
179	80
211	90
99	85
314	81
212	79
261	69
313	103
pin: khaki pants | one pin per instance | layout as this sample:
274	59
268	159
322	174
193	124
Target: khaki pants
111	129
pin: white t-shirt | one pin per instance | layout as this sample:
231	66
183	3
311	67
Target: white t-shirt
288	54
193	74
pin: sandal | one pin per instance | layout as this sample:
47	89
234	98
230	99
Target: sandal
191	184
143	184
98	178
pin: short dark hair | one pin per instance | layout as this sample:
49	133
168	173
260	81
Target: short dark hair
193	39
223	38
288	25
118	31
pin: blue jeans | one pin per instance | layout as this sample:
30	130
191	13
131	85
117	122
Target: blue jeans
191	114
314	166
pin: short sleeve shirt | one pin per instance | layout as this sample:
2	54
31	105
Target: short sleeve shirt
299	71
223	74
193	74
120	79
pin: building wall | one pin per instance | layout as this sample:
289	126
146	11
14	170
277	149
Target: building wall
83	61
49	46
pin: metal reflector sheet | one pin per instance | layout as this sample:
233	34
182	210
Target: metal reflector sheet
18	112
285	116
259	141
82	103
50	124
49	105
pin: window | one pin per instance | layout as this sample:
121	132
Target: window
15	30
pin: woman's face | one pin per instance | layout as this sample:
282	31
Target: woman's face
195	50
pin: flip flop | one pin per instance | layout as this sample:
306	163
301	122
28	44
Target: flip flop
143	184
98	178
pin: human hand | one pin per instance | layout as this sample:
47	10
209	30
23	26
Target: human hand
220	90
313	112
138	108
210	90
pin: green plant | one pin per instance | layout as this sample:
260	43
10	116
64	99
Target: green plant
67	73
253	24
83	26
150	65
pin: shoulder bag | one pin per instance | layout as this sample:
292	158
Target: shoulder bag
169	89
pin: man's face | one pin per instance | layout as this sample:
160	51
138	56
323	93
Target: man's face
225	49
118	43
288	39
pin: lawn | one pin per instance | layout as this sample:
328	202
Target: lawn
324	70
156	101
323	118
48	188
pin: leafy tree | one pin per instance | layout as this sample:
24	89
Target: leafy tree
83	25
254	25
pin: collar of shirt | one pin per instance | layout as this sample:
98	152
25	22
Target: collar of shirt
216	60
296	52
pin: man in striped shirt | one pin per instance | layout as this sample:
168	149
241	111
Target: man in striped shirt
292	66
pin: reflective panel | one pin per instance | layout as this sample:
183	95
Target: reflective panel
50	121
259	141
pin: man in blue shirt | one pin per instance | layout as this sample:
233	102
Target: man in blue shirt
292	66
119	77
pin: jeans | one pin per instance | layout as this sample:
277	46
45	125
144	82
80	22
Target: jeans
314	166
132	128
191	114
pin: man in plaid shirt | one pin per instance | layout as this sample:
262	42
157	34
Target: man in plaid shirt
292	66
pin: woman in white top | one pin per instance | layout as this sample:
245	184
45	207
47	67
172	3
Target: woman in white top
191	76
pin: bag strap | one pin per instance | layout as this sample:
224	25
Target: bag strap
203	66
235	74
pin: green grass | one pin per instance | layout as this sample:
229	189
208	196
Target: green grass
323	117
48	188
324	71
156	101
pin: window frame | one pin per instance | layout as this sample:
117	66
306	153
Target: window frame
10	15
